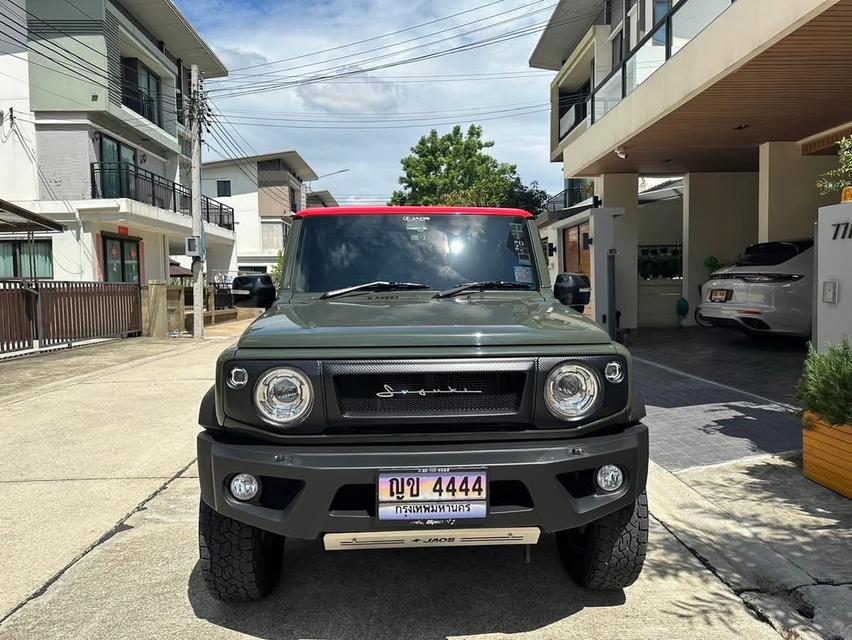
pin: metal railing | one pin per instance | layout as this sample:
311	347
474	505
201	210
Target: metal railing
47	313
673	32
572	118
565	199
125	180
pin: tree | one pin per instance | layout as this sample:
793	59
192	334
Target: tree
277	269
840	178
454	169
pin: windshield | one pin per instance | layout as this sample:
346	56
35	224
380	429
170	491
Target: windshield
772	253
440	251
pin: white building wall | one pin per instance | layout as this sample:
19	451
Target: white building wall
834	264
18	175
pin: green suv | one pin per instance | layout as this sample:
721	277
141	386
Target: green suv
415	383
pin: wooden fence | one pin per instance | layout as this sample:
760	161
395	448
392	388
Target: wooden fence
50	313
17	326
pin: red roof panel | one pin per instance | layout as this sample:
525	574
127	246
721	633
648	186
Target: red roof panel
421	211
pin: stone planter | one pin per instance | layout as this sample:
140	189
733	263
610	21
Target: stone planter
827	453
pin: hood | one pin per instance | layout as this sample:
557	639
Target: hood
508	320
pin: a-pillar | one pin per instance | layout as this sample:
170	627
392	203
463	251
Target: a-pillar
719	221
789	199
621	190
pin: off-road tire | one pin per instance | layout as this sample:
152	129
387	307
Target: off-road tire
609	553
239	562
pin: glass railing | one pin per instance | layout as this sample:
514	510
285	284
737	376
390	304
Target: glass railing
692	18
608	95
646	59
680	26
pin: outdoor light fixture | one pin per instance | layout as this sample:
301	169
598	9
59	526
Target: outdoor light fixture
621	153
740	127
614	372
610	478
244	486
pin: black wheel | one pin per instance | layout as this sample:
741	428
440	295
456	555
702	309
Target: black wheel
700	320
609	553
239	562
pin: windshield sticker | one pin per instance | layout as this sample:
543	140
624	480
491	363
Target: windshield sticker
524	258
523	275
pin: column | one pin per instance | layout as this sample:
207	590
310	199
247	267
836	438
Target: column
789	199
621	190
720	219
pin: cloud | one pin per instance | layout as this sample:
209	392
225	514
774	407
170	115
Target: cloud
308	117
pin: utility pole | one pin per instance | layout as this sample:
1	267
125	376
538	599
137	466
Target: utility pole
197	113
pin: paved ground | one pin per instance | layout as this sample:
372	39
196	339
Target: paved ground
697	423
99	531
765	366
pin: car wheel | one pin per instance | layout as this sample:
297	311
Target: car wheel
239	562
609	553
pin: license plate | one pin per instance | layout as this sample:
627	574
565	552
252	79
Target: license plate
719	295
432	495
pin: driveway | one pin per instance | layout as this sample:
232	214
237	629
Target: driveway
764	366
100	503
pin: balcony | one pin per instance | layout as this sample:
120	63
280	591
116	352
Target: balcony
566	199
576	114
125	180
680	26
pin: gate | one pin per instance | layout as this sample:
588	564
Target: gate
17	329
49	313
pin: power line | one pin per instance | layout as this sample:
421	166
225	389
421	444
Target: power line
263	88
278	72
385	35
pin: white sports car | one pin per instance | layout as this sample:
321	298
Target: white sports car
768	290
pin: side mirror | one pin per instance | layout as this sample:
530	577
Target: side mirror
254	291
573	290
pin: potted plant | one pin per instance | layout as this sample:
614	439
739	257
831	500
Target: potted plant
825	392
839	179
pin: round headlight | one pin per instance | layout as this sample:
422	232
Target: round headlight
572	391
283	396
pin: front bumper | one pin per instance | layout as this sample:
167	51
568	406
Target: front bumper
310	491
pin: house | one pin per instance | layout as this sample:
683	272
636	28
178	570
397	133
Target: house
744	99
95	136
264	191
320	199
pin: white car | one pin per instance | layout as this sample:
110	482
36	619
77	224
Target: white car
768	290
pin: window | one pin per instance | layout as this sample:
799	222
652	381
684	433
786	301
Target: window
141	90
661	9
271	235
769	254
18	256
121	259
337	251
223	188
617	49
294	203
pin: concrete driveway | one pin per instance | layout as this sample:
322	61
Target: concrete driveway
99	535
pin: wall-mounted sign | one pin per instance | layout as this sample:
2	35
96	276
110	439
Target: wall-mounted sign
841	231
123	231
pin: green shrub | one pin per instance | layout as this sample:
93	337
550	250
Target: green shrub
826	384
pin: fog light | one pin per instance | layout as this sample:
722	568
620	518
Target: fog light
610	478
244	486
614	372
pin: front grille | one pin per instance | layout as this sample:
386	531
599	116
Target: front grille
432	394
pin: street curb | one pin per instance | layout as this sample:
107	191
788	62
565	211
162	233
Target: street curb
763	579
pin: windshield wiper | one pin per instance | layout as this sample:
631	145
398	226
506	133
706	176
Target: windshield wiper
481	286
380	285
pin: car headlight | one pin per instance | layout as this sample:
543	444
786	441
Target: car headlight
283	396
572	391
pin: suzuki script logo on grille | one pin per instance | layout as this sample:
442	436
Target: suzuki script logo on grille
390	392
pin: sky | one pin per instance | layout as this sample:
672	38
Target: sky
313	117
